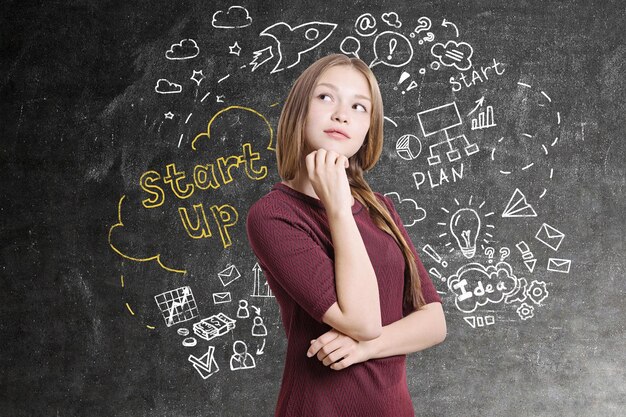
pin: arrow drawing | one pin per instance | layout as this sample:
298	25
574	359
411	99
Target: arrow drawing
260	350
479	103
446	23
175	304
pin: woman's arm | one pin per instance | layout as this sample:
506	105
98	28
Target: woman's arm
357	310
417	331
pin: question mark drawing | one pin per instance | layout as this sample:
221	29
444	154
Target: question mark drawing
504	253
429	38
490	252
424	25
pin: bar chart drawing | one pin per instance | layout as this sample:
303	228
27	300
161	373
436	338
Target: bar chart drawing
261	287
484	120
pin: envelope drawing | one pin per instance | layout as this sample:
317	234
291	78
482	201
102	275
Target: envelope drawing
221	297
559	265
228	275
550	236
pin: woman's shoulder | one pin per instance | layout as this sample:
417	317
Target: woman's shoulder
273	204
267	203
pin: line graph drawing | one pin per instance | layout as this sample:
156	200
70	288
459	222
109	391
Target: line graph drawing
177	306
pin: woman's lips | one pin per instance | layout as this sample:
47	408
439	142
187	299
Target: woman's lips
335	134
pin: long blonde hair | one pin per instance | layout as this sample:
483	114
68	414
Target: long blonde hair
290	146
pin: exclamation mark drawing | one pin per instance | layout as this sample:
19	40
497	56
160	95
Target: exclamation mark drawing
435	256
403	78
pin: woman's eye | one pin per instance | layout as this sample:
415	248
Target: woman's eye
361	106
323	95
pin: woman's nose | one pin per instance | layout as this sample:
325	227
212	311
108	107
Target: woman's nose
340	114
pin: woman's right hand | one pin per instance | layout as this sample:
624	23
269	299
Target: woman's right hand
327	173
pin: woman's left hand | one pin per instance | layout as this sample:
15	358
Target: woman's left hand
338	350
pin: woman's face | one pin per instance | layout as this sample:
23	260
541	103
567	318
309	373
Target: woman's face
341	101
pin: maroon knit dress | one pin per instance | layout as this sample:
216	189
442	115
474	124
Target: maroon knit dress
289	234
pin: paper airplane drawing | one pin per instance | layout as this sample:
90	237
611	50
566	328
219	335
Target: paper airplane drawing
518	206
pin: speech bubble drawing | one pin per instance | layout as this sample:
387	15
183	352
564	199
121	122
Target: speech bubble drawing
392	49
350	46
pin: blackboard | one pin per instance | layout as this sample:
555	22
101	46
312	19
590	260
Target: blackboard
504	155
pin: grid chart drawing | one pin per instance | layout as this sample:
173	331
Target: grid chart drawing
177	305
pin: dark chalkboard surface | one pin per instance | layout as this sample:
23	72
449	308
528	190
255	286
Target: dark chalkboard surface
136	137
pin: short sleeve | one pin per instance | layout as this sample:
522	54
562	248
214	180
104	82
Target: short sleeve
428	289
291	258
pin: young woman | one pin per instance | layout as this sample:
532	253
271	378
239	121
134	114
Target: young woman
354	296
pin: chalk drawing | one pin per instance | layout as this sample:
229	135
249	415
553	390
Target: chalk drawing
518	206
197	76
234	49
261	287
177	305
453	54
365	25
259	329
164	86
391	19
559	265
424	26
214	326
442	119
479	321
228	275
415	212
465	226
205	364
235	17
527	256
240	358
526	311
392	49
350	46
185	49
221	297
242	311
550	236
307	36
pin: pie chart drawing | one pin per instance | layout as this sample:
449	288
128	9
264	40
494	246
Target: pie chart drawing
408	147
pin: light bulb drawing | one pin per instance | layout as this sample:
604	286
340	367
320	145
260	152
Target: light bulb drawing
465	227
